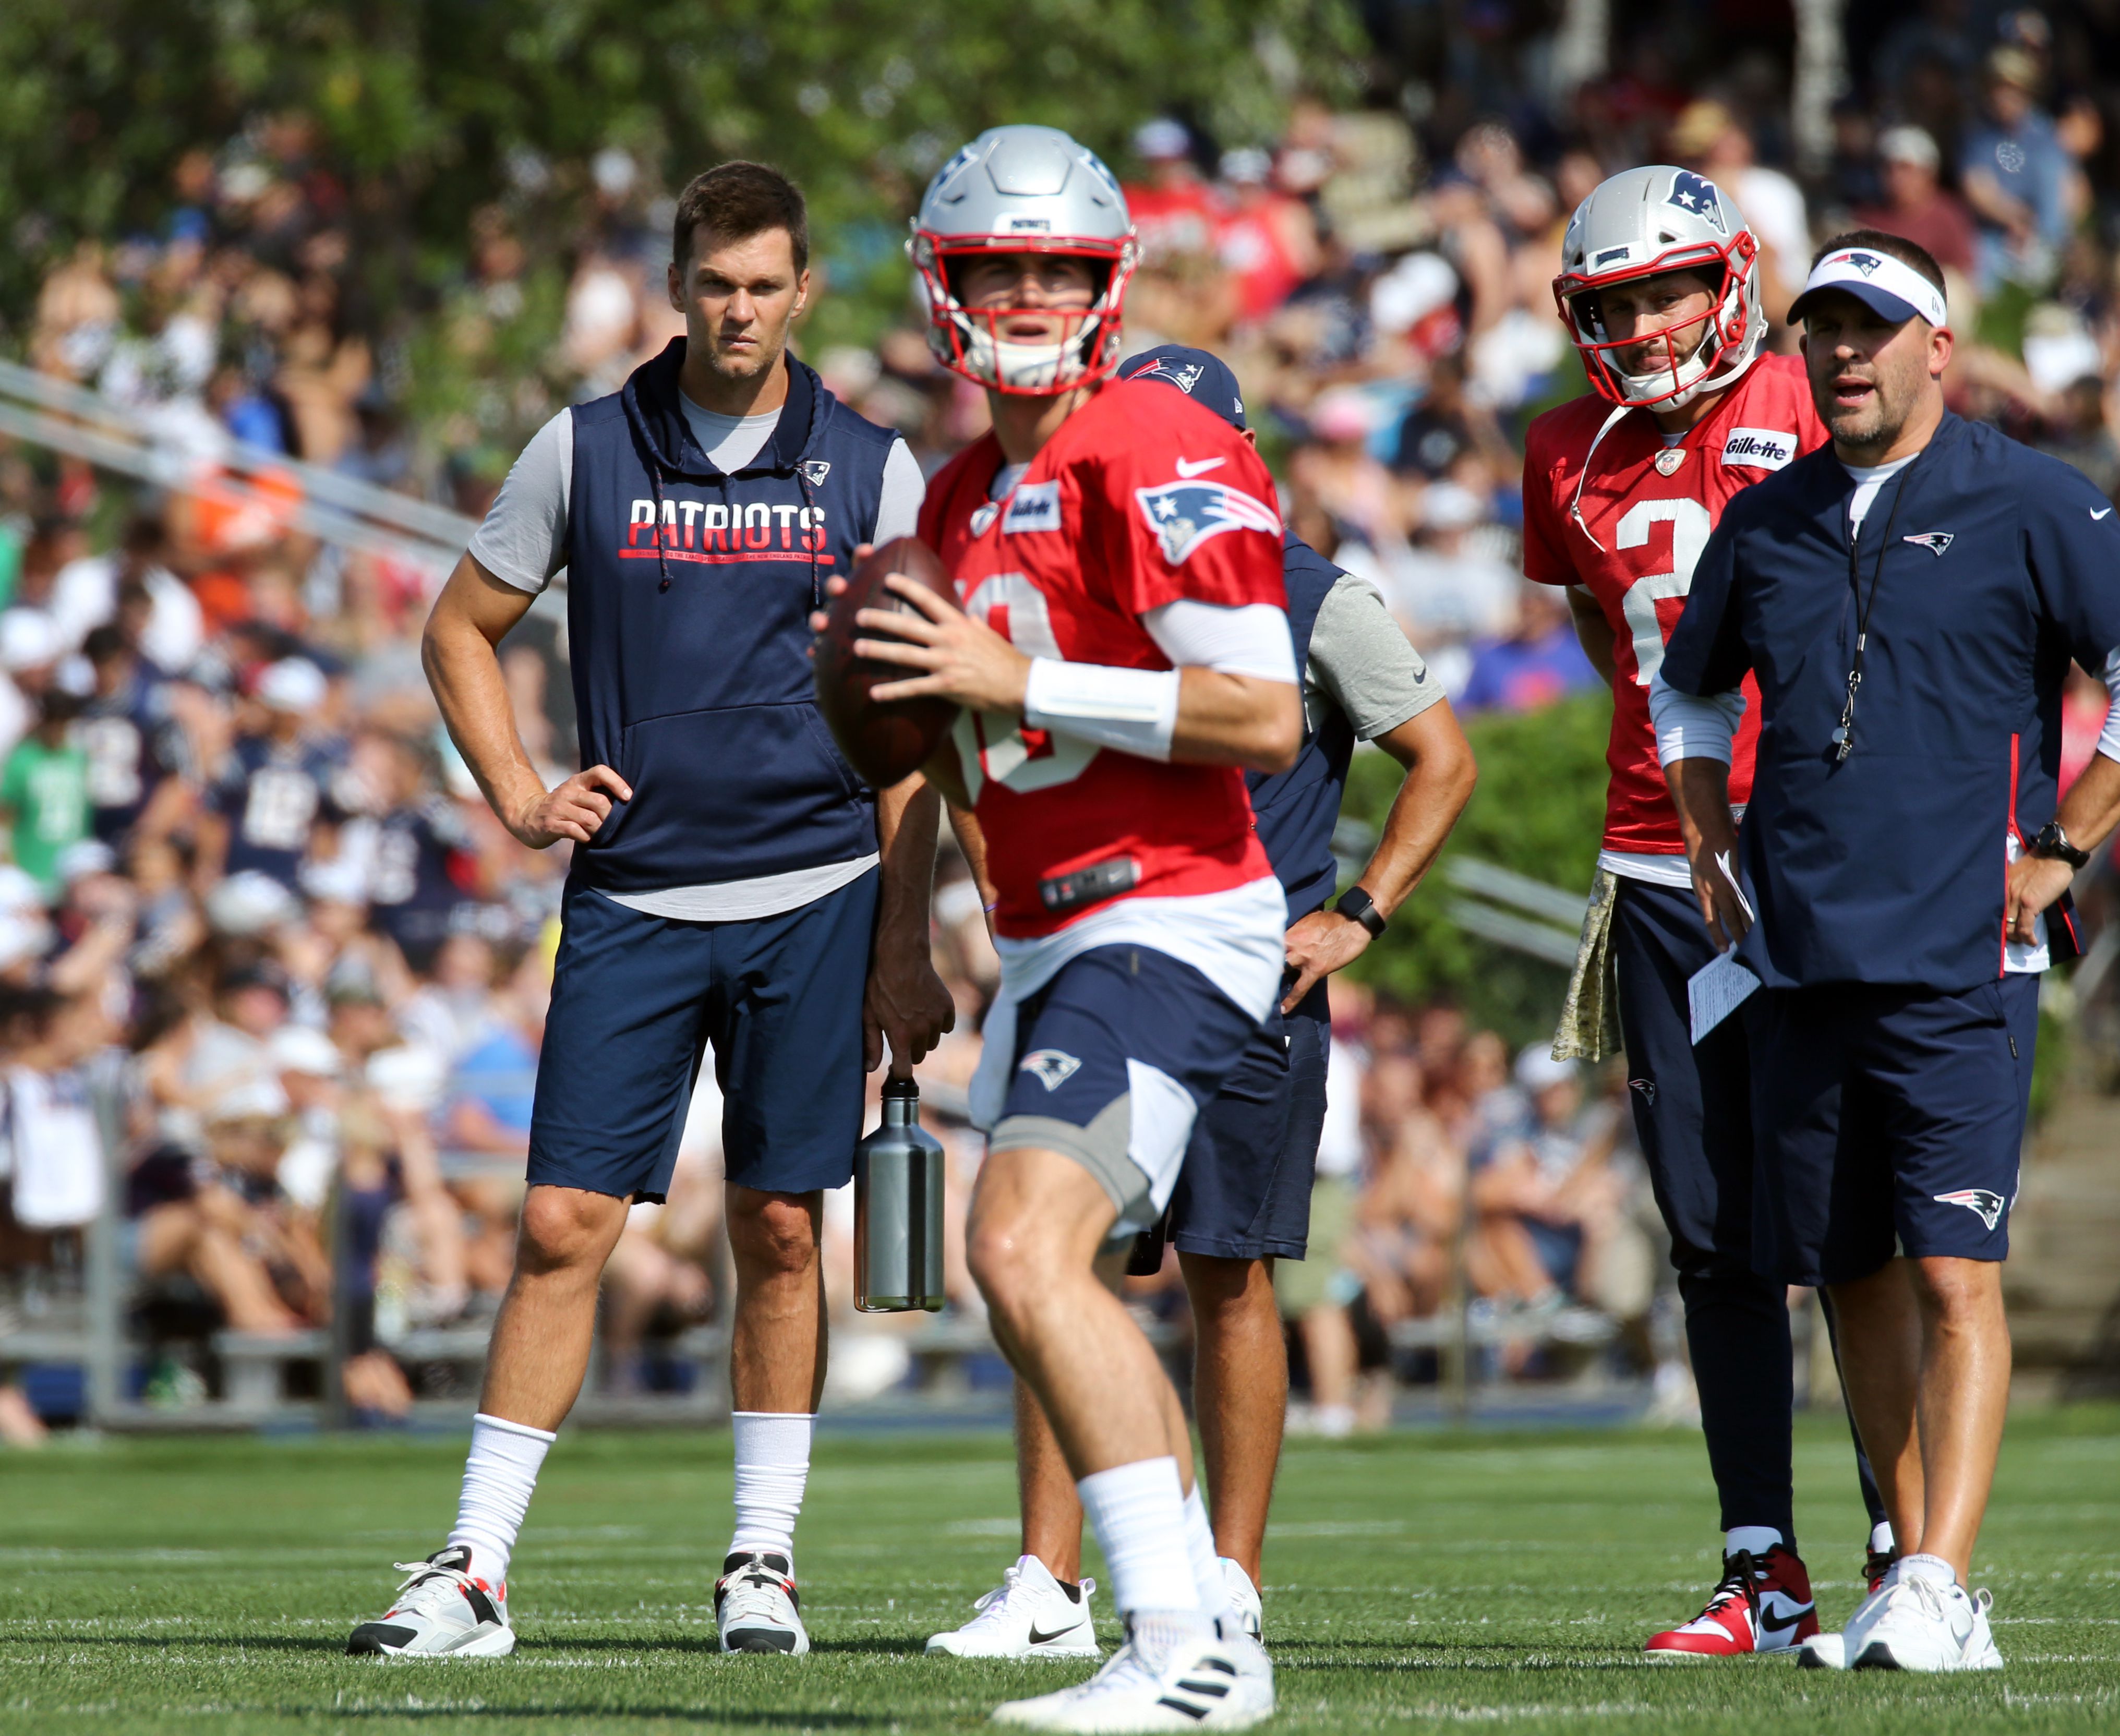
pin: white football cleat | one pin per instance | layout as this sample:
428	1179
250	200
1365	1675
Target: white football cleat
1243	1597
1030	1614
1924	1626
440	1611
1823	1651
757	1606
1197	1684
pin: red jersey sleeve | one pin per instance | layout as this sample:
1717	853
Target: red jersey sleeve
1186	509
1546	558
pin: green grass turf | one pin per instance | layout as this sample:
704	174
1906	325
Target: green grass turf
1412	1581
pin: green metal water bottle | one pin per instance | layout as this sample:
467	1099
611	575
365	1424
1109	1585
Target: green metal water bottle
898	1210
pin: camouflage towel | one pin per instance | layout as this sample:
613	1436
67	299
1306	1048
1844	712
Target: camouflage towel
1590	1017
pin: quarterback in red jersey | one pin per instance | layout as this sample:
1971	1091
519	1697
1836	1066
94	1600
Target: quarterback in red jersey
1659	289
1120	644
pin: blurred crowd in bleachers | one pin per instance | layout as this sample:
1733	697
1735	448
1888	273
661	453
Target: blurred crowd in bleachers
260	931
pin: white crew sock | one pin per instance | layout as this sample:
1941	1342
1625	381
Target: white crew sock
772	1469
1933	1568
498	1476
1880	1537
1757	1539
1138	1511
1207	1579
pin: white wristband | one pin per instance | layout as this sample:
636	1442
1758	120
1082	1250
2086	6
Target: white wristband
1134	710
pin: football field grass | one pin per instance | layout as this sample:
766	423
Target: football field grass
1412	1581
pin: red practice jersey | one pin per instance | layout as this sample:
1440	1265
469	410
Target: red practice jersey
1644	517
1143	497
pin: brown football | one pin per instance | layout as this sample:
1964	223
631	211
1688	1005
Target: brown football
884	742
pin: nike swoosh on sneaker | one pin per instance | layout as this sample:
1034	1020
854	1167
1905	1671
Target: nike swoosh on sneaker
1787	1622
1058	1633
1201	467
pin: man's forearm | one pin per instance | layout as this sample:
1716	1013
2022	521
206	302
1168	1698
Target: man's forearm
1700	791
2091	809
907	816
1439	777
463	668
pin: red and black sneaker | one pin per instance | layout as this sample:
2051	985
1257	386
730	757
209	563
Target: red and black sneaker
1763	1603
1876	1565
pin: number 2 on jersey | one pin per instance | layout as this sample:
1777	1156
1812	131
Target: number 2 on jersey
1689	527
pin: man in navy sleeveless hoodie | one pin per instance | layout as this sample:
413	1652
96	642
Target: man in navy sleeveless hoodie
733	882
1243	1199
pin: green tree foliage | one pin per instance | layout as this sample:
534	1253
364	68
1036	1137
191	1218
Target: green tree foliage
1539	809
427	109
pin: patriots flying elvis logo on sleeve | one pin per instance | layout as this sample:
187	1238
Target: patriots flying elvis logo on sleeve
1185	514
1696	193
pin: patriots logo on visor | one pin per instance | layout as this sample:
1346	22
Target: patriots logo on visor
1988	1207
1051	1068
1935	542
1184	376
1866	263
1696	193
1185	514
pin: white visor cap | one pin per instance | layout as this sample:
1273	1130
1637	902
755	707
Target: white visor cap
1887	286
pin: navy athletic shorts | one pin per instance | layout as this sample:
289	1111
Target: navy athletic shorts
1115	1056
1889	1121
1244	1192
636	999
1692	1102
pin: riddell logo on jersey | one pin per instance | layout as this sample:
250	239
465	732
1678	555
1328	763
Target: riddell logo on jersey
716	531
1761	449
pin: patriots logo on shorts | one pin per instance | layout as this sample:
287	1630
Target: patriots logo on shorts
1935	542
1988	1207
1185	514
1696	193
1052	1068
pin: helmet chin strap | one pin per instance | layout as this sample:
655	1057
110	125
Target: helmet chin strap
1028	367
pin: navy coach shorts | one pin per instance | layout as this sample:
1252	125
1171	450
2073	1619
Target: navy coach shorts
1115	1056
1889	1121
1244	1192
636	999
1692	1102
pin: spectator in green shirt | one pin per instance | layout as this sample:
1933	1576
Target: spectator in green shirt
44	792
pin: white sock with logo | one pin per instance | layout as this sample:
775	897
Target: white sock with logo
772	1470
500	1475
1757	1539
1880	1537
1138	1512
1933	1568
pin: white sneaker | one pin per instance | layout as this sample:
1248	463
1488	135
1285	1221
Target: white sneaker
1823	1651
440	1611
1197	1684
1925	1626
1243	1597
1030	1614
757	1606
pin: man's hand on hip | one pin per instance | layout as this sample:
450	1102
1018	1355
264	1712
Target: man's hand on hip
1318	945
573	810
905	1004
2032	884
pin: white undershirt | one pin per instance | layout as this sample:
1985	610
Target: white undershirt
1869	481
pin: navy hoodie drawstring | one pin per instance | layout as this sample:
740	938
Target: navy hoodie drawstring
655	487
816	534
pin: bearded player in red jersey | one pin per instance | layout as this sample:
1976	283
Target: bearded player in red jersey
1659	289
1119	642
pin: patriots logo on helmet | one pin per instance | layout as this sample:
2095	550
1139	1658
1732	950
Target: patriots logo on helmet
1184	376
1935	542
1696	193
1866	263
1051	1068
1185	514
1988	1207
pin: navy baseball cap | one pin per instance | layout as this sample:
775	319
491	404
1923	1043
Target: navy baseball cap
1204	378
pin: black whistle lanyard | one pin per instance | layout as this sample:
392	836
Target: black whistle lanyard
1843	737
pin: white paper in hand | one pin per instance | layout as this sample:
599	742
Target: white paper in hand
1715	991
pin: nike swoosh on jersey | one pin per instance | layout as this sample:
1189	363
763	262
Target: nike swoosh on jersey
2094	514
1190	468
1058	1633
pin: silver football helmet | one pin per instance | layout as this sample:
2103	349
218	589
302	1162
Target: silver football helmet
1641	223
1023	190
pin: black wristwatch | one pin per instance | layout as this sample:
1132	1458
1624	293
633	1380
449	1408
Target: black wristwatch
2052	841
1357	903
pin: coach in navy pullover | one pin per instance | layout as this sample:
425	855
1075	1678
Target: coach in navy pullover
1909	598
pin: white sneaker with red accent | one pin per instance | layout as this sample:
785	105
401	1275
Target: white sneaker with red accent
757	1606
441	1611
1763	1603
